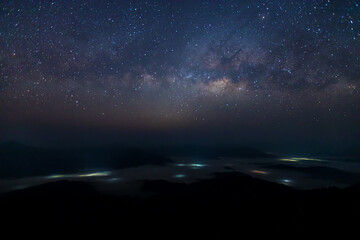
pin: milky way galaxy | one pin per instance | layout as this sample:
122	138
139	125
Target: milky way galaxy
238	71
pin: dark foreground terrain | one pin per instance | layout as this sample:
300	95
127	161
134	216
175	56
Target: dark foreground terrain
225	207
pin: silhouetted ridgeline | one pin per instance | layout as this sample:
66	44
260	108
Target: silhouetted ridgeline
225	207
213	151
18	160
320	172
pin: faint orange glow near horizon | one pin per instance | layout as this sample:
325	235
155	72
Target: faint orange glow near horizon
259	172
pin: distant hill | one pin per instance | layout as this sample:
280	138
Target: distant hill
55	190
230	185
19	160
214	151
320	172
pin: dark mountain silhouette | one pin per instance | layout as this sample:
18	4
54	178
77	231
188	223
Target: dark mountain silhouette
56	190
228	205
213	151
320	172
19	160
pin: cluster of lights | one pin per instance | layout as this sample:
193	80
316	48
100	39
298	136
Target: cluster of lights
115	179
192	165
84	175
300	159
179	176
286	181
259	172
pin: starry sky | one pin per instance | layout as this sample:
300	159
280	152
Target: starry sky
279	74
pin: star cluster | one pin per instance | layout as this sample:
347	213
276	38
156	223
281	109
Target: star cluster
166	64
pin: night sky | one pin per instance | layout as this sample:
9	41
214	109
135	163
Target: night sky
276	75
